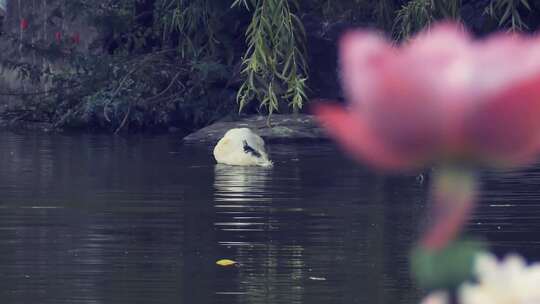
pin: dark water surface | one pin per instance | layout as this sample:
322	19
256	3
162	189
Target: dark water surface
104	219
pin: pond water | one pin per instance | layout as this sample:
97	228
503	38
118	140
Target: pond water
143	219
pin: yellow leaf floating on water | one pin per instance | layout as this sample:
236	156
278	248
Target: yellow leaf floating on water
226	262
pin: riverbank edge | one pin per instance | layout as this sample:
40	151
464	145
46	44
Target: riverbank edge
31	126
279	128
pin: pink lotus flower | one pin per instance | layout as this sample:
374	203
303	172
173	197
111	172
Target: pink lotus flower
441	97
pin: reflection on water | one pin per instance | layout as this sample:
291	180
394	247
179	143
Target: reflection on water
102	219
509	216
311	231
246	218
237	183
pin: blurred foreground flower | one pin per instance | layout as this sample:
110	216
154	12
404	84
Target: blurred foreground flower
436	298
447	100
442	97
510	281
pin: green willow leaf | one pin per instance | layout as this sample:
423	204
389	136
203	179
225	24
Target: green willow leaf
274	38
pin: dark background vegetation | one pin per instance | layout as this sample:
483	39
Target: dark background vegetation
132	65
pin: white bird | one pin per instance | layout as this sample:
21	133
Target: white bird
241	147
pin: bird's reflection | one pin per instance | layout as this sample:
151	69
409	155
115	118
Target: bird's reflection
241	185
241	199
247	224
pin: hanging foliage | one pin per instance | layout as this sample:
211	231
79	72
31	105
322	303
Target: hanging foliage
412	17
143	63
417	14
274	64
509	13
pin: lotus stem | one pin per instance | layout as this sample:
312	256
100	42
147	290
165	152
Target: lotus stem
453	196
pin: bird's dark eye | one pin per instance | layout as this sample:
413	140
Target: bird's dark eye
250	150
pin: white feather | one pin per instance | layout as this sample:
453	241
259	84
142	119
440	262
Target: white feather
230	149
